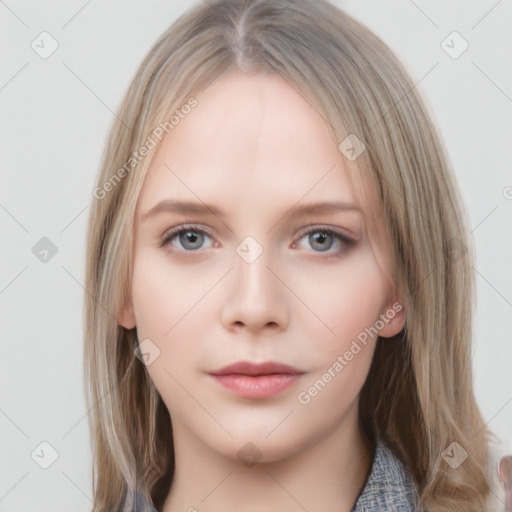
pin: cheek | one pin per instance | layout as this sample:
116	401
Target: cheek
166	307
166	294
174	310
346	298
348	301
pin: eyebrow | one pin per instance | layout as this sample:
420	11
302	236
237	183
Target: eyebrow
200	208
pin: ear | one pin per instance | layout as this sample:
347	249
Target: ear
393	318
126	316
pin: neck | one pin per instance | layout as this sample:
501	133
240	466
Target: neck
327	475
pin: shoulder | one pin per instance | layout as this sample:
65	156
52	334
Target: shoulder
390	487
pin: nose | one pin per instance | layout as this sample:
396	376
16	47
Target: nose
256	297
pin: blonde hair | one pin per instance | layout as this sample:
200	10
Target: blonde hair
418	395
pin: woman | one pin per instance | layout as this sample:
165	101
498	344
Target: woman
311	347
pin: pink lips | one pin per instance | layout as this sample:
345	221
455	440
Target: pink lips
250	380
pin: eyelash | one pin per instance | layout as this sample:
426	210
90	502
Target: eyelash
347	242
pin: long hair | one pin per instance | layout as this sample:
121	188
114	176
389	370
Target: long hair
418	394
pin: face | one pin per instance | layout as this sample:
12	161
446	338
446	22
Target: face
255	276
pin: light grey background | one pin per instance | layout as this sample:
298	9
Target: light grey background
55	114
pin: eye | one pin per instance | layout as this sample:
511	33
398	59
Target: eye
322	239
190	238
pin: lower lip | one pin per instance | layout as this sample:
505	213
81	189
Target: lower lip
262	386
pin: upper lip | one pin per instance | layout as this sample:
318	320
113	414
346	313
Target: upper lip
253	369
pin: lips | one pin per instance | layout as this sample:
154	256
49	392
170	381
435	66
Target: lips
253	370
256	381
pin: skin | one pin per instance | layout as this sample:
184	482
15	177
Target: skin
256	148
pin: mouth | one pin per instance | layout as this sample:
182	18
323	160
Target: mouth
250	380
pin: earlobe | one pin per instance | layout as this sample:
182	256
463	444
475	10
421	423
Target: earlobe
126	317
393	319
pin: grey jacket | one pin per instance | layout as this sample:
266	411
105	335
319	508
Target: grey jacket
388	487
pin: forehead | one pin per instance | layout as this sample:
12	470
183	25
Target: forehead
250	138
256	148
